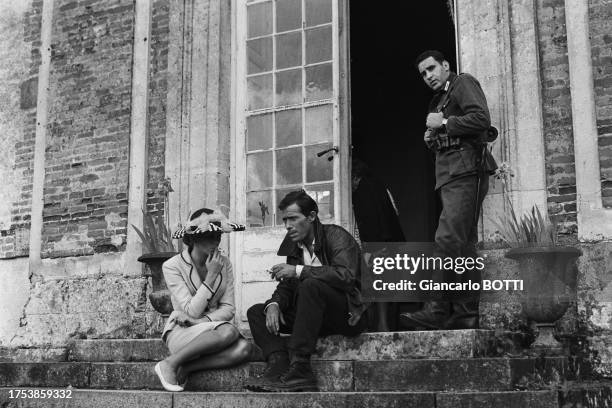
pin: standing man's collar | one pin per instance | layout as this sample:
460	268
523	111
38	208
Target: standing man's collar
447	84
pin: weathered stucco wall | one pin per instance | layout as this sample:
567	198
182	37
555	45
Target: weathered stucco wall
19	60
82	287
18	27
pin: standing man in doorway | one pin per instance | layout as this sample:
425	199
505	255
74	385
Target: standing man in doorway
457	126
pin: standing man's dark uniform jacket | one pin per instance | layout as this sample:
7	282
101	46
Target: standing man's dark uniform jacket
468	120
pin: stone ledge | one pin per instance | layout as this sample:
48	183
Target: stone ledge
479	374
508	399
24	355
161	399
368	346
593	394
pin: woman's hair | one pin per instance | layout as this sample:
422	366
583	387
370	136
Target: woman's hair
191	239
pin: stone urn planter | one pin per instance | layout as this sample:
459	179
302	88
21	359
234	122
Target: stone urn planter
160	296
549	286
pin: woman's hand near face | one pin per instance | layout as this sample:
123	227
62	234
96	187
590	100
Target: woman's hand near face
214	264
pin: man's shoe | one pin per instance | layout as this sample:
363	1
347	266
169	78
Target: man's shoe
433	316
278	364
299	377
465	316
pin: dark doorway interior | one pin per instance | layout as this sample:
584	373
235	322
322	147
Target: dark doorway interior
389	100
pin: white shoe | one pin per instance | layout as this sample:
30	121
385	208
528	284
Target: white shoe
167	386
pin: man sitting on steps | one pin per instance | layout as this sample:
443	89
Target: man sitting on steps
318	295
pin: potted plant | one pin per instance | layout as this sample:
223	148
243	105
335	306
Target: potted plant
546	268
157	247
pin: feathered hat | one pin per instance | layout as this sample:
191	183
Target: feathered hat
214	221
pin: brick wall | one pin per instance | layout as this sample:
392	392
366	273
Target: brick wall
557	116
87	152
158	88
600	24
19	61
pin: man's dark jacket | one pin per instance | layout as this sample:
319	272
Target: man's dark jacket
340	256
468	119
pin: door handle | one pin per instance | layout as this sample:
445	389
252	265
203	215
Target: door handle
331	149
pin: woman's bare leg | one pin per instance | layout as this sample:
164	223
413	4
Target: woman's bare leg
233	355
206	343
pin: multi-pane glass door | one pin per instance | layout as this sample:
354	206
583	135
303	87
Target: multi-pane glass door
289	108
286	129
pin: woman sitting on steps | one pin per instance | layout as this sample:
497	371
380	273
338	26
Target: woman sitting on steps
199	332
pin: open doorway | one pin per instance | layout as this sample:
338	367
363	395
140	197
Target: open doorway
389	101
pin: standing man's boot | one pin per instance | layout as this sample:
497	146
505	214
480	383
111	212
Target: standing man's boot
277	365
299	377
465	316
433	316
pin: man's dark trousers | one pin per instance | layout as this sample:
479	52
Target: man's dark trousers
319	310
457	231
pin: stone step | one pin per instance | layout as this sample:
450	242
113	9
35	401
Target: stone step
368	346
161	399
477	374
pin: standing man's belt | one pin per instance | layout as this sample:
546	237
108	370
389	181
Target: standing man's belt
444	142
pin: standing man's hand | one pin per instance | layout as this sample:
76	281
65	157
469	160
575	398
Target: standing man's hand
273	318
429	136
434	120
282	271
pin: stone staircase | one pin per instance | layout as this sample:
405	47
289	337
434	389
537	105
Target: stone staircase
463	368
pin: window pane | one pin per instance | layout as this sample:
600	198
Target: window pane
259	54
259	19
288	50
260	91
288	127
289	87
319	168
319	124
318	12
259	171
289	166
318	45
288	15
324	196
259	209
319	82
259	132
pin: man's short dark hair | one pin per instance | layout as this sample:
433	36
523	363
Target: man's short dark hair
303	200
435	54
